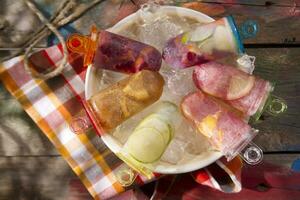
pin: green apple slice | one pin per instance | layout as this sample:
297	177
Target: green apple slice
223	39
169	112
157	122
167	108
201	33
146	145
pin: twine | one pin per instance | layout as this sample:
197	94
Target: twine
60	18
49	25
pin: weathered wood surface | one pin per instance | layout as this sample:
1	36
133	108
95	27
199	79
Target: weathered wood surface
45	177
33	177
252	2
278	24
19	135
280	65
284	160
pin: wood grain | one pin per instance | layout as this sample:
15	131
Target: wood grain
280	65
277	24
34	178
44	177
283	160
250	2
19	135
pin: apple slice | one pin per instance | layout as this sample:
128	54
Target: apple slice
156	122
201	33
169	112
240	86
223	39
146	145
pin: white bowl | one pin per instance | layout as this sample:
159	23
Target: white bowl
194	162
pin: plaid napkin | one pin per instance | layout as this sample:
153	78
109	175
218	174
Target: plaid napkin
53	103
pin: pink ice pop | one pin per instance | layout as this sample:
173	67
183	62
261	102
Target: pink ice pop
244	92
179	55
203	43
225	131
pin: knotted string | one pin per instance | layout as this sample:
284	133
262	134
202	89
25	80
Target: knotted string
50	26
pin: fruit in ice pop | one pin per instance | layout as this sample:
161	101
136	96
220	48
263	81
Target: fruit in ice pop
111	51
125	98
255	100
204	43
153	134
117	53
179	55
222	81
242	91
225	131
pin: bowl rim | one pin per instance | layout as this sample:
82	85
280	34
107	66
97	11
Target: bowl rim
192	165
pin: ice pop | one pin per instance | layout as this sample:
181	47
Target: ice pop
245	92
225	131
206	42
110	51
113	105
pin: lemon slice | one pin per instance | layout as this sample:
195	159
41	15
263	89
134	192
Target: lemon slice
240	86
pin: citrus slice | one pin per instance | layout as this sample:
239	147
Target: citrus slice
240	86
208	126
146	145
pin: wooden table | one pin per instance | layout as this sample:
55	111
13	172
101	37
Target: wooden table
30	167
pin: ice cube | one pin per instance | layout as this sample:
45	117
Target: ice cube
246	63
129	33
158	27
174	152
148	9
195	143
180	82
123	131
105	78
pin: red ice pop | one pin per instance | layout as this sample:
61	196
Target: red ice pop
110	51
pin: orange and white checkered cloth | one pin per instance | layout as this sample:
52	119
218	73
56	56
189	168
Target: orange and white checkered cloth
52	104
